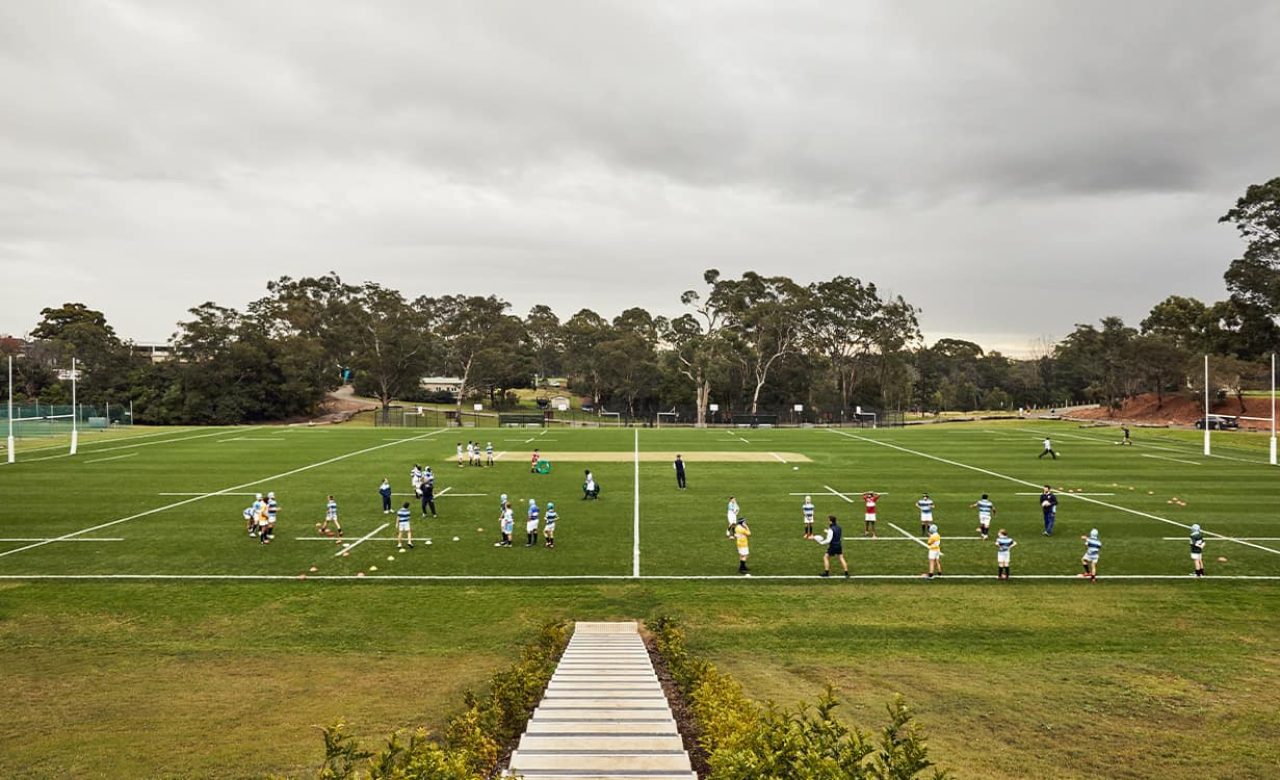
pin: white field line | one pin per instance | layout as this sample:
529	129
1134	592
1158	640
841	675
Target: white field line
113	457
607	577
910	538
1086	499
918	541
333	539
84	445
1067	493
635	532
848	493
360	541
1166	457
78	539
132	446
251	438
227	493
1144	445
497	456
193	499
835	492
778	457
1240	538
441	493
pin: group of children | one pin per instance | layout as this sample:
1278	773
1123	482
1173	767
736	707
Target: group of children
737	529
260	517
470	455
507	524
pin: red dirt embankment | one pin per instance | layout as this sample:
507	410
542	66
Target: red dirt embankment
1179	410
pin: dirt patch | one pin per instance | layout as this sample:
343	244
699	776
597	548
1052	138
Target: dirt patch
1179	410
668	457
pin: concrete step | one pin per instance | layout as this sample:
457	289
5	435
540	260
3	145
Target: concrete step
602	714
584	703
612	743
561	775
587	728
527	761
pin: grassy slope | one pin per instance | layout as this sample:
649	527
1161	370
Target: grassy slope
1050	679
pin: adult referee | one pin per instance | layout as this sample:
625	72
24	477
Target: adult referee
835	547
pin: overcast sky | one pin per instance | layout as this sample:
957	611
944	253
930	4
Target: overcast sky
1011	167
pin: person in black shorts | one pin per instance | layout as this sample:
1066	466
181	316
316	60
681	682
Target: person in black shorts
1126	439
680	481
834	540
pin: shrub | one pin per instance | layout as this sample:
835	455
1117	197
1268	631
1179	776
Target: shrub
745	741
473	741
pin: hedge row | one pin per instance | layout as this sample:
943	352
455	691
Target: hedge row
747	741
473	742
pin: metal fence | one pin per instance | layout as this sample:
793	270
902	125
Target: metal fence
39	420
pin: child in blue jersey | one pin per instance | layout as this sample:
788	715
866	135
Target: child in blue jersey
1197	550
985	511
269	530
403	531
1049	506
531	524
248	520
1092	547
259	510
549	525
384	490
807	509
330	516
1003	545
925	505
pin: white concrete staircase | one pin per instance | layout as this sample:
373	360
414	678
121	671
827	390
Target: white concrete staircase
603	716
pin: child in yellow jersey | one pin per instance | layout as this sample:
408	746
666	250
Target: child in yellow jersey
740	534
935	553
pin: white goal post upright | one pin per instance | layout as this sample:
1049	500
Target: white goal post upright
9	450
1205	420
1273	409
75	431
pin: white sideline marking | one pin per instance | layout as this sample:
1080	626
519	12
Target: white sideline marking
604	577
362	540
1086	499
1066	492
920	542
778	457
1166	457
835	492
251	438
910	538
214	493
113	457
49	539
131	446
635	533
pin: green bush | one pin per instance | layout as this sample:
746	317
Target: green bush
746	741
473	741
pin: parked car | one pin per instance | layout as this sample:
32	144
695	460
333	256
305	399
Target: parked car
1218	422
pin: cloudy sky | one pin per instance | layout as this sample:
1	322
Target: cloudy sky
1009	167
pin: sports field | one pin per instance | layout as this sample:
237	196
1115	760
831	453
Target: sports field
133	602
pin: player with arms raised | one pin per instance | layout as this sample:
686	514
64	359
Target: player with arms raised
870	498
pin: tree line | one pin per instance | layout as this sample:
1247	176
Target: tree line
749	344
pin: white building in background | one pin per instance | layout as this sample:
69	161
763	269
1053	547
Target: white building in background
441	384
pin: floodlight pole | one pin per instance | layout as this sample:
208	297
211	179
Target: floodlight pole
1273	409
1206	405
75	432
10	442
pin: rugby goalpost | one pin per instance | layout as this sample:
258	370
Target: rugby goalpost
1272	450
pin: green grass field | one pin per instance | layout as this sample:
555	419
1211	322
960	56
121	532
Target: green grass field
146	634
